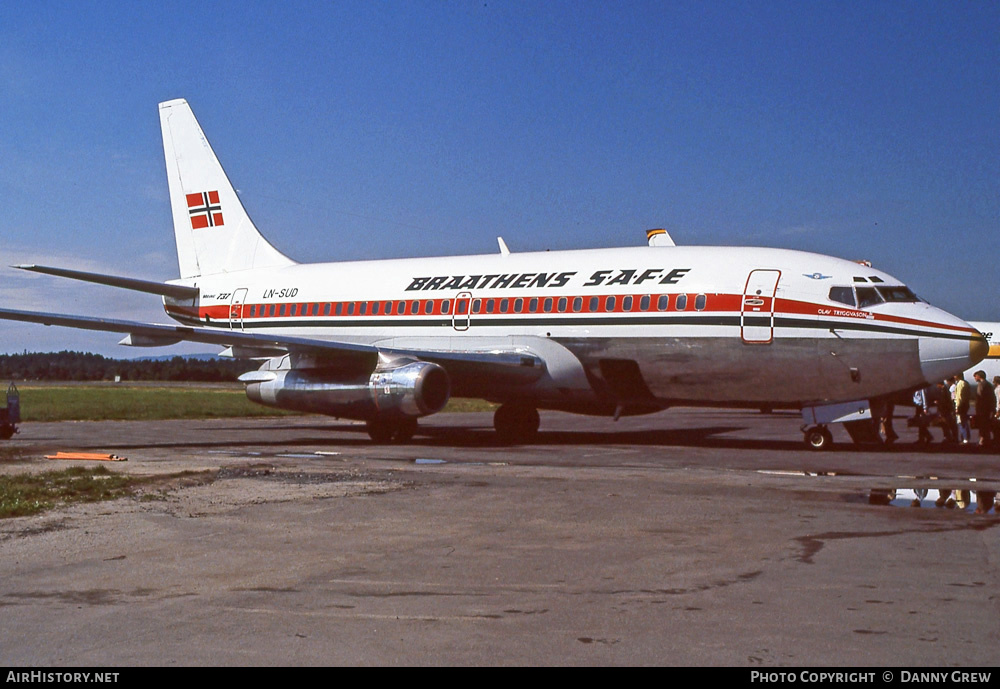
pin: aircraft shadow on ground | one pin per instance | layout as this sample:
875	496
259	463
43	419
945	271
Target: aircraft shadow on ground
460	437
337	434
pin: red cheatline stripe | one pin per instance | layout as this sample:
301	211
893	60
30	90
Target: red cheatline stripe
494	306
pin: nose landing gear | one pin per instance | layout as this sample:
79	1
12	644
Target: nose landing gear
818	437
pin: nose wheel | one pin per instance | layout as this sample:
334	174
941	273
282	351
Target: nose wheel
818	438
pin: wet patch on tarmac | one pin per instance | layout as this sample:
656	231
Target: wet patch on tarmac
739	579
84	597
812	544
590	640
265	589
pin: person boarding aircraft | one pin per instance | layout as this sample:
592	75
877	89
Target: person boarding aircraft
608	331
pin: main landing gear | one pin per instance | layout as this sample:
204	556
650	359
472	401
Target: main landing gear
818	438
392	429
516	422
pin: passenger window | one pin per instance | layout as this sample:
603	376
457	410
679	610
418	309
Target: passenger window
627	304
533	305
663	303
578	304
699	302
594	303
446	306
682	302
609	304
547	304
428	306
644	303
503	305
562	304
477	304
518	305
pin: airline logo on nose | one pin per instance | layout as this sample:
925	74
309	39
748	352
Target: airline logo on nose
204	209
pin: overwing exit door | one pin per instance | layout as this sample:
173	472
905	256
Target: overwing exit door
460	317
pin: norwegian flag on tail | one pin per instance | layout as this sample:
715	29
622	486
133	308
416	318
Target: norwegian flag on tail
204	209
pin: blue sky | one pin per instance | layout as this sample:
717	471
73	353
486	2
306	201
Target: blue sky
358	130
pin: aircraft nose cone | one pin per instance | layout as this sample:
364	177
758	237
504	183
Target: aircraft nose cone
941	358
978	349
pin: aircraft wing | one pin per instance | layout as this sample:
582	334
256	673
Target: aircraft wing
507	366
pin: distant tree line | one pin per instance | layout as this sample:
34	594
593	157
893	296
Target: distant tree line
83	366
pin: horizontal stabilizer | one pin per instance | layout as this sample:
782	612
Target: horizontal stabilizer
148	286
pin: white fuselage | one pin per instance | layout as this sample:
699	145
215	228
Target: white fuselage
639	328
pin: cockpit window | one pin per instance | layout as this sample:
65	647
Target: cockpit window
867	296
897	294
844	295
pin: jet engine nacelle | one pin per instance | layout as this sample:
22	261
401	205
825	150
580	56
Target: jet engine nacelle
412	389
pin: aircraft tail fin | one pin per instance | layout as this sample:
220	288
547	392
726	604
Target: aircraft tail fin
213	231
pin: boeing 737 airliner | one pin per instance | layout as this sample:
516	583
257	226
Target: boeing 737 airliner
608	331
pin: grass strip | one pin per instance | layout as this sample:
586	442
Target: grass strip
151	403
25	494
122	403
